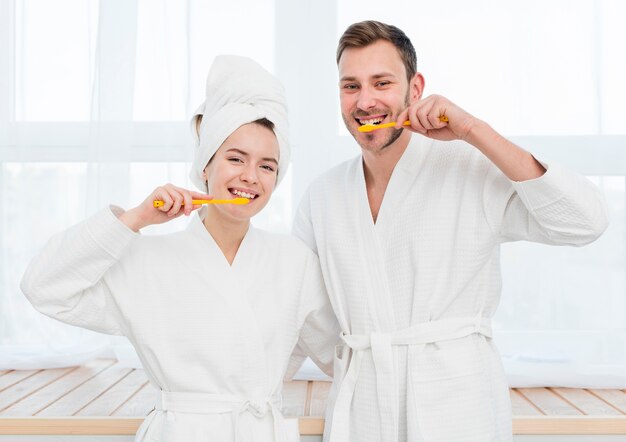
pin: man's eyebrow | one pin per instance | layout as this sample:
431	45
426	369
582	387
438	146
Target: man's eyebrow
245	154
383	74
375	76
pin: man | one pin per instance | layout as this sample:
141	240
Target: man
408	236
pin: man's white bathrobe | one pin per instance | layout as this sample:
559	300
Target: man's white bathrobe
215	338
414	292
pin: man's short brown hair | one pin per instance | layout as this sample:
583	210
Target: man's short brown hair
364	33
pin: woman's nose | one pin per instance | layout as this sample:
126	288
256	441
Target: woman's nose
249	174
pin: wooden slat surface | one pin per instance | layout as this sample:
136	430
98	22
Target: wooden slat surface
104	398
110	400
141	404
617	398
14	376
30	385
548	402
31	405
73	402
521	406
586	402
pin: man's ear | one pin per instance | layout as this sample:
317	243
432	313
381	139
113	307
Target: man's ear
416	87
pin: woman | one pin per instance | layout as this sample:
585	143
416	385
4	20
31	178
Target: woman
215	311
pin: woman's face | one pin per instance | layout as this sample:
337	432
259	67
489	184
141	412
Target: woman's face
245	165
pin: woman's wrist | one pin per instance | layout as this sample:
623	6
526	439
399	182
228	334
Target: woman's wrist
133	220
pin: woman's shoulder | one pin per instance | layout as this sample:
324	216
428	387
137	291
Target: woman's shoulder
160	247
284	243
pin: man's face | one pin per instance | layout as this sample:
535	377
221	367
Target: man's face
373	88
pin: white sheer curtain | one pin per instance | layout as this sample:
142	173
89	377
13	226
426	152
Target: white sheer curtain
93	112
95	94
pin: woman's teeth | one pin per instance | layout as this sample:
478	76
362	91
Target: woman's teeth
244	194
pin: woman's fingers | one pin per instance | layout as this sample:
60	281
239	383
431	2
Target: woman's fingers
162	194
177	200
201	196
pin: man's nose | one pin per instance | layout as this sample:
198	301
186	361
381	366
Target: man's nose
367	99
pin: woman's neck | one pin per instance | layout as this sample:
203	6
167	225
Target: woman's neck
227	233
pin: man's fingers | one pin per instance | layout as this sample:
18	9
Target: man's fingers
416	124
424	110
402	117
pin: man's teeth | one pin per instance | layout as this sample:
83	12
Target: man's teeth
371	121
244	194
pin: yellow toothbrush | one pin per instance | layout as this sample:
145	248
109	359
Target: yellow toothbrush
371	127
160	203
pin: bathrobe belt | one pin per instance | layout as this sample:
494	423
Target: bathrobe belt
209	403
381	345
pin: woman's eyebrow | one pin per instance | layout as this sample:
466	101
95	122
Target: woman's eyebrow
272	160
245	154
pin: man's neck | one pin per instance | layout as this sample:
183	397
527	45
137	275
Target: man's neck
378	167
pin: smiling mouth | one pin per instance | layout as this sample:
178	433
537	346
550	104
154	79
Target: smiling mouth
241	194
369	120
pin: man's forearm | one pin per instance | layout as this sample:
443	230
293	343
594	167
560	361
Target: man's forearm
512	160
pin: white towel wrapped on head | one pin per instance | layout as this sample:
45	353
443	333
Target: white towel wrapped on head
238	91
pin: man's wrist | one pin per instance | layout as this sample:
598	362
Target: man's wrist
477	132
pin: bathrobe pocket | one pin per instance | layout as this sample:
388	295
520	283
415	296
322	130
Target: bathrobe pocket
449	384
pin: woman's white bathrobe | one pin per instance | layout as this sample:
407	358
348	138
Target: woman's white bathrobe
414	292
215	338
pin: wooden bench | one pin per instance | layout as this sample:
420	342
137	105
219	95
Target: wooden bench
102	398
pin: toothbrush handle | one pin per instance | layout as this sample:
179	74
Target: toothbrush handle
442	118
160	203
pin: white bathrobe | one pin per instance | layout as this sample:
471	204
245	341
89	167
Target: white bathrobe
215	338
414	292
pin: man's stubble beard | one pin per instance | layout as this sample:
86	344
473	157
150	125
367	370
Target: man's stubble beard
395	134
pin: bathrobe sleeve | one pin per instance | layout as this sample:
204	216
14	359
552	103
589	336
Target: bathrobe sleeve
66	280
319	333
559	208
